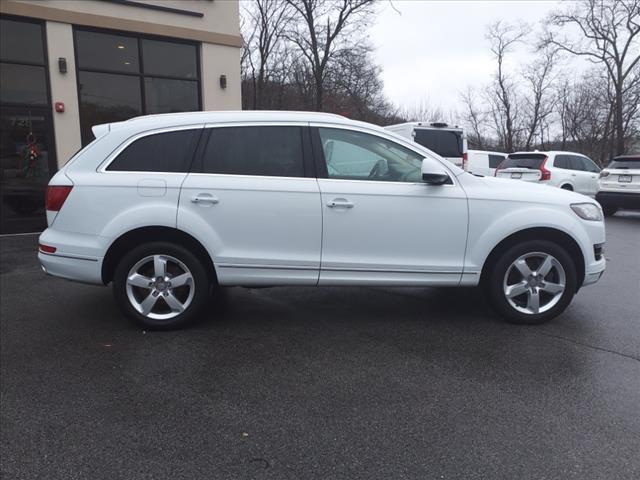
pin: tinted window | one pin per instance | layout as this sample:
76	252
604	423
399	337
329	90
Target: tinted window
169	59
103	51
267	151
23	84
588	165
495	160
562	161
165	96
161	152
360	156
21	42
106	97
524	160
444	142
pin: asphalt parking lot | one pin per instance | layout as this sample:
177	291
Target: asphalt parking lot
320	383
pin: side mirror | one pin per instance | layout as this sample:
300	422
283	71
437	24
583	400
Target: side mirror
433	173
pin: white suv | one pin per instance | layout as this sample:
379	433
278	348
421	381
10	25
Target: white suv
567	170
620	184
168	208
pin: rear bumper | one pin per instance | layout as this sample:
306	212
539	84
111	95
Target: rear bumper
77	257
619	199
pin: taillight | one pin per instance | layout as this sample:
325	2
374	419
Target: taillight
544	173
47	248
604	174
56	196
465	161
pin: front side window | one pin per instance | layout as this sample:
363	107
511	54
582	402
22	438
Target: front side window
588	165
354	155
160	152
274	151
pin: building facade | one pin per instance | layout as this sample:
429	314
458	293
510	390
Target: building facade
66	65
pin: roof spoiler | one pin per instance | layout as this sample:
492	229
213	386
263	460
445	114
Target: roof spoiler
100	130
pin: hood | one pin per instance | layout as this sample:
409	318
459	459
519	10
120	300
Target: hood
491	188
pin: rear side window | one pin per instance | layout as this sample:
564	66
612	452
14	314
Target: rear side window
495	160
563	161
444	142
160	152
266	151
524	160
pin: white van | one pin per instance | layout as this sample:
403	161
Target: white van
448	142
482	162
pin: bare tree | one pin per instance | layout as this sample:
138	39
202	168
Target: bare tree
268	20
501	94
475	120
610	34
539	104
324	28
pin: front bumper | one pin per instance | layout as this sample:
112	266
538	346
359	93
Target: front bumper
594	271
619	199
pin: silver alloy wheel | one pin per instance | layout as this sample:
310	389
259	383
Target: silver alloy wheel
534	283
160	287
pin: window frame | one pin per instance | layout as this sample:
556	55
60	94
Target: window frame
307	156
139	37
321	165
104	165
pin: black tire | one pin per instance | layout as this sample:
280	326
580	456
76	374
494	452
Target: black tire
609	210
496	277
201	284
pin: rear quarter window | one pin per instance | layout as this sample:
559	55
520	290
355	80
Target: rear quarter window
445	143
159	152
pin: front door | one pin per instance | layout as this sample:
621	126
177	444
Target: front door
250	196
381	224
27	162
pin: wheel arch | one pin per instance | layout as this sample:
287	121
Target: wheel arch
538	233
139	236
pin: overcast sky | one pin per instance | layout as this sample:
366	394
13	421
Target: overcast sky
432	50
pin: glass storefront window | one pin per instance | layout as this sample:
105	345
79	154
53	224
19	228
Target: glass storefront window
102	51
123	76
169	59
107	97
165	95
21	42
23	84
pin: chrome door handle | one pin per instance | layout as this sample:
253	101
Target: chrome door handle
339	203
204	198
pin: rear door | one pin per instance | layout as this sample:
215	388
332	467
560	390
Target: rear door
256	202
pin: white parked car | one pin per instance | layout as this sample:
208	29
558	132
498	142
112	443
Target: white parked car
482	162
167	207
620	184
567	170
448	142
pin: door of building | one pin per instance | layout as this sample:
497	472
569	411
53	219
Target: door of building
27	162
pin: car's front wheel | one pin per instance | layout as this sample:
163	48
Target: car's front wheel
532	282
161	285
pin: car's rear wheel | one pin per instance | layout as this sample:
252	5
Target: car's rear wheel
161	285
532	282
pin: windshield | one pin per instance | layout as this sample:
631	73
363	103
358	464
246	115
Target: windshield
445	143
524	160
625	163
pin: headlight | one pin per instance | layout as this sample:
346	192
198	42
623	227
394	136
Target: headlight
587	211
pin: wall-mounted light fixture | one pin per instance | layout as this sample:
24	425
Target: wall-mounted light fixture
223	81
62	65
